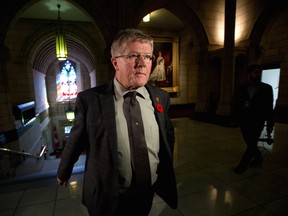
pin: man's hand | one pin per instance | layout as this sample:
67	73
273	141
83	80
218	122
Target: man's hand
61	182
269	131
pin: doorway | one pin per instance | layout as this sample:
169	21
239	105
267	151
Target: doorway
271	77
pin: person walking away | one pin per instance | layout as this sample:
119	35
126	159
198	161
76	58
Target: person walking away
252	109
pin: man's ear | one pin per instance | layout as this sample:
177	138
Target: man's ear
114	63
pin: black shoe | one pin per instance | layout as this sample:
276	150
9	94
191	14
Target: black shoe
239	169
256	162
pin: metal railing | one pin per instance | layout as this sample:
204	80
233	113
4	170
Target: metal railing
26	154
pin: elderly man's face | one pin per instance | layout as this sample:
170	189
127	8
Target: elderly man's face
133	73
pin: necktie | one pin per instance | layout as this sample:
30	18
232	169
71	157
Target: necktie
139	154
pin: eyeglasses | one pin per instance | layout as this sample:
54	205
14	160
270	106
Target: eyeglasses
136	57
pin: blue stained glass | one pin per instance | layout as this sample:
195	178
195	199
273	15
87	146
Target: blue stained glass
66	82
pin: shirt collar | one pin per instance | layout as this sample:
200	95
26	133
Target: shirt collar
120	90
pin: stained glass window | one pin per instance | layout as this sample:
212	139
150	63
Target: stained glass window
66	82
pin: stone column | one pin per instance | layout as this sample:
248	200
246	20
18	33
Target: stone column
203	89
227	77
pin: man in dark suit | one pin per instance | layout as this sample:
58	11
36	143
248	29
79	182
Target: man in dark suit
252	108
101	129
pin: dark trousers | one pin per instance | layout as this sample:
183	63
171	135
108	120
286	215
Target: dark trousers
251	133
134	203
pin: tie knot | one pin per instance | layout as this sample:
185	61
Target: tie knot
131	96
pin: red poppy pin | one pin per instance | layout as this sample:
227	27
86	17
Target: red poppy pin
159	108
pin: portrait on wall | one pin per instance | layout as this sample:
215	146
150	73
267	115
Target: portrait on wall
161	73
164	67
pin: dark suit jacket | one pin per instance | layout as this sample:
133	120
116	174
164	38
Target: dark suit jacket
94	130
254	110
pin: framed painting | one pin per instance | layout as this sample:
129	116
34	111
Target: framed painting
164	73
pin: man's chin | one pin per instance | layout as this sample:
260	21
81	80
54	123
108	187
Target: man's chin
140	82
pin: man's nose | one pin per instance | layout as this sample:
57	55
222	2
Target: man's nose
140	60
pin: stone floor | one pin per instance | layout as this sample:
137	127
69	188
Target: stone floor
204	158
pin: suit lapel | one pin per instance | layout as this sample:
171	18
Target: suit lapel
106	101
157	100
